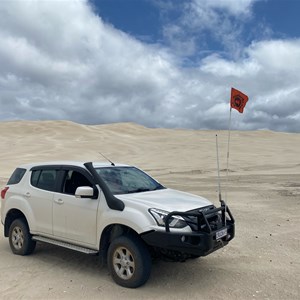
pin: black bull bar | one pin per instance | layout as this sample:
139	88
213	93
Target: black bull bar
203	218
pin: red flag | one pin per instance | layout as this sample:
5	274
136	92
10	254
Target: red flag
238	100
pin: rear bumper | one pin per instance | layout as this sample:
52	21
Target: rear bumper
200	244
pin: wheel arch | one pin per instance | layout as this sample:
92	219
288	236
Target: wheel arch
12	215
111	232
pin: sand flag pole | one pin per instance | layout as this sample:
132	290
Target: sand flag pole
227	161
238	101
218	168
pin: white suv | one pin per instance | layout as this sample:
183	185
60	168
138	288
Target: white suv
115	211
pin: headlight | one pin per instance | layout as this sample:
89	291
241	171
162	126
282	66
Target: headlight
160	216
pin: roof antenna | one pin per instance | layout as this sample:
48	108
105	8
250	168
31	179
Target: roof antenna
107	159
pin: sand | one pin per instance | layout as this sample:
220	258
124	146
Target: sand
263	192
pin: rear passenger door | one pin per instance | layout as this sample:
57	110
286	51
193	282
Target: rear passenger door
40	196
74	219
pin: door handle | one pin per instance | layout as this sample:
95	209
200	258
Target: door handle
59	201
27	194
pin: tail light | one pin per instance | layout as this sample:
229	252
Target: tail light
3	192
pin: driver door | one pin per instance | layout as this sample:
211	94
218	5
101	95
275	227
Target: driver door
74	219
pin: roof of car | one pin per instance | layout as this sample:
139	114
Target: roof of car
69	163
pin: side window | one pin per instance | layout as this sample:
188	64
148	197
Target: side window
16	176
35	175
44	179
73	180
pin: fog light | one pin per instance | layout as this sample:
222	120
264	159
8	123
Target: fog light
183	238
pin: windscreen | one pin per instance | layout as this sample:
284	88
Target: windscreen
125	180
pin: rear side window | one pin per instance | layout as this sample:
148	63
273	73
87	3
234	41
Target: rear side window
44	179
16	176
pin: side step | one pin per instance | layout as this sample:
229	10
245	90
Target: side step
64	244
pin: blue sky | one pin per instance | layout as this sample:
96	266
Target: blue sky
145	19
158	63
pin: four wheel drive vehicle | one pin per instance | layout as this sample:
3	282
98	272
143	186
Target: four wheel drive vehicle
115	211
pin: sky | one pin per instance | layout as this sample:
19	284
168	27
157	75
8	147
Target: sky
158	63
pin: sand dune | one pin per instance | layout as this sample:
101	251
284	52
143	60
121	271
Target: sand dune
263	262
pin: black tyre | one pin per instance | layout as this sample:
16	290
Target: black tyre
20	239
129	261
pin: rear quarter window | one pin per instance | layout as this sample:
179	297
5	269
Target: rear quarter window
16	176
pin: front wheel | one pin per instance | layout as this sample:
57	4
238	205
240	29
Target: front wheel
20	239
129	261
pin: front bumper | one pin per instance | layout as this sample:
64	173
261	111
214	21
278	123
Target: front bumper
203	239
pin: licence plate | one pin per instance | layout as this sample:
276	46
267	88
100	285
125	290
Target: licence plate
221	233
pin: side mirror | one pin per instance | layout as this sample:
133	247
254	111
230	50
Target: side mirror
84	192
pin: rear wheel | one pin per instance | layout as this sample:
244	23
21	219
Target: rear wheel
129	261
20	238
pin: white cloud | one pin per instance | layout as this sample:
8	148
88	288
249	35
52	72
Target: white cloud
270	73
63	62
221	67
279	55
222	20
237	8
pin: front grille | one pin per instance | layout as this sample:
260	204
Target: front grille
214	219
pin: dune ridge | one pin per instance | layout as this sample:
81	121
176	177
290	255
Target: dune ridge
24	141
